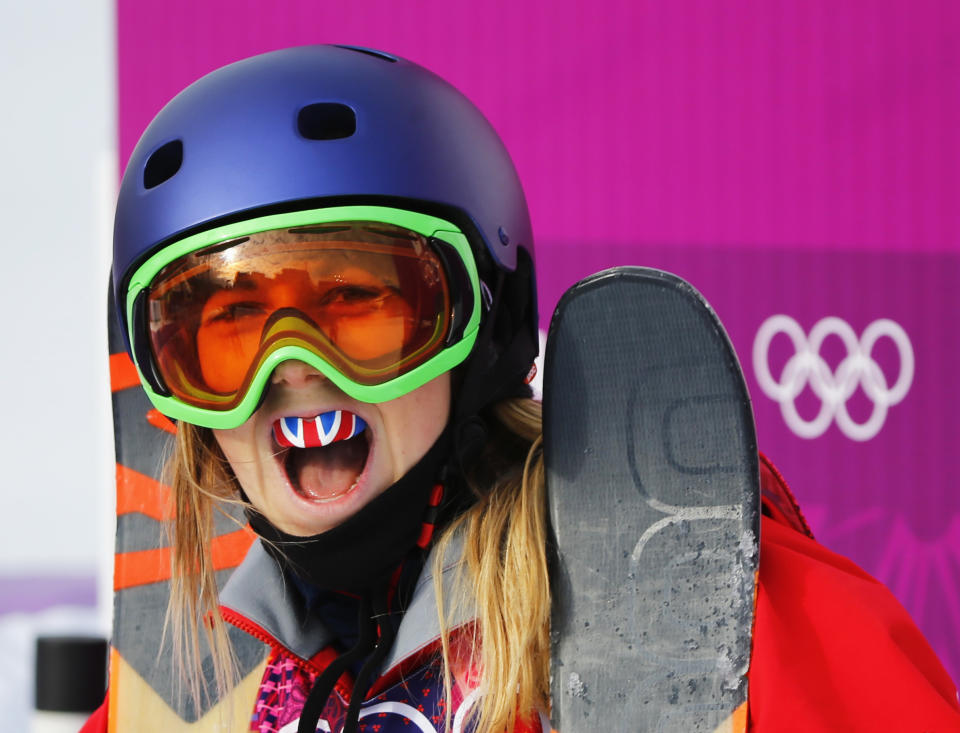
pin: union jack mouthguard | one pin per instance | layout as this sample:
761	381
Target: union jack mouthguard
319	431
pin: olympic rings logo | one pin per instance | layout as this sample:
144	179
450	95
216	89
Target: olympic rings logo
833	388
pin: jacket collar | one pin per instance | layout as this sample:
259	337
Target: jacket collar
258	591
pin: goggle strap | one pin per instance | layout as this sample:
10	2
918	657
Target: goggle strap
470	398
512	364
461	290
142	353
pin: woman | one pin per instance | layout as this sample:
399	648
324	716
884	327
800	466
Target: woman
323	259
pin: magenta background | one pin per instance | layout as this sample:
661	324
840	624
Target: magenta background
796	157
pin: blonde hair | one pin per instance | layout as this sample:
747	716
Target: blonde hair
505	566
505	535
201	482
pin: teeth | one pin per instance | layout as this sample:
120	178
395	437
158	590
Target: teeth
322	430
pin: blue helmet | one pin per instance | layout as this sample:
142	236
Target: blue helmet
318	126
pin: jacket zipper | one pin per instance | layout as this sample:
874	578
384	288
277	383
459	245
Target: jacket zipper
249	627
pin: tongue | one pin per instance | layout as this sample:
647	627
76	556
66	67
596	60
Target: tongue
326	473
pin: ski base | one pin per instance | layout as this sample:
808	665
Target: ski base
653	485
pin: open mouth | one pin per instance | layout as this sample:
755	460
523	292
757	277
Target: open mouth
323	456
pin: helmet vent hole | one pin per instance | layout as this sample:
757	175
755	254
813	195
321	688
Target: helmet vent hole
163	164
326	121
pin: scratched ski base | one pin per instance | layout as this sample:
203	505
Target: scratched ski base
653	488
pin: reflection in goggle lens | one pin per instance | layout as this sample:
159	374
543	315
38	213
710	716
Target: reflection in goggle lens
371	300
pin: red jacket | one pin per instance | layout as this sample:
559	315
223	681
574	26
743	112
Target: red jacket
833	650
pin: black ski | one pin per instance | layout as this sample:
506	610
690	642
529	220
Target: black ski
653	483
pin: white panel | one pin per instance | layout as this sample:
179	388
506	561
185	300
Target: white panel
57	184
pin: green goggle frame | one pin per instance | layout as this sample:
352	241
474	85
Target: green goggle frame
425	225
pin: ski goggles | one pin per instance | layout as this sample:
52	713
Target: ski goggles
379	300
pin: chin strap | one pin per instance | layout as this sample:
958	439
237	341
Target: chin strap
375	638
323	685
365	676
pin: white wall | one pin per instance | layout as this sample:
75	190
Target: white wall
57	183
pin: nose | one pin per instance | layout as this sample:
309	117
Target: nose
295	373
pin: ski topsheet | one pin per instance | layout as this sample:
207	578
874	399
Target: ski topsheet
653	485
145	690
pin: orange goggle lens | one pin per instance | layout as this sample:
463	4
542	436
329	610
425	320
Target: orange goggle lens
372	300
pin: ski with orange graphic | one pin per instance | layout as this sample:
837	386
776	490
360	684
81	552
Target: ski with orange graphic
145	693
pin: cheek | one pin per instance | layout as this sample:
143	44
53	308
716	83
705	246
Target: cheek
232	442
414	422
237	446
